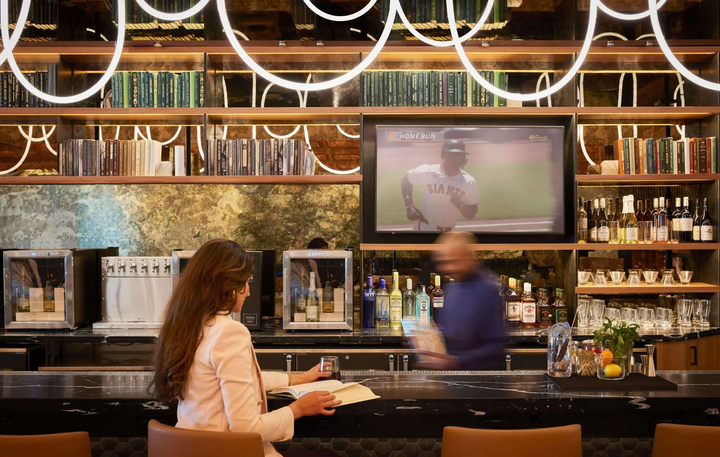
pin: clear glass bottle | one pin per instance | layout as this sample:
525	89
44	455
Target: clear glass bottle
422	305
631	222
594	220
661	223
706	225
696	223
396	304
513	305
369	299
22	299
313	303
618	209
686	222
676	231
328	305
560	309
582	224
382	307
621	223
544	309
529	306
408	300
603	227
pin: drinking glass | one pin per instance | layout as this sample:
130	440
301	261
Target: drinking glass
583	313
597	308
634	278
667	278
685	277
645	232
600	278
614	232
645	317
583	278
617	277
663	317
331	364
650	277
684	310
628	315
702	311
612	313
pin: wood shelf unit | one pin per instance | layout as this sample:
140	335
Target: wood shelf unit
695	287
304	180
646	179
550	247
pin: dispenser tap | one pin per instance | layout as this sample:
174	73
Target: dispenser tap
155	266
133	266
121	265
109	266
143	267
167	266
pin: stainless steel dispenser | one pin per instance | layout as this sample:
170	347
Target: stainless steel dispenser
135	291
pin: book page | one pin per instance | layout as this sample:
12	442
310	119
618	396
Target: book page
356	393
348	393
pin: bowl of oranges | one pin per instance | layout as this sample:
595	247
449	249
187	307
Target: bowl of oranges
610	367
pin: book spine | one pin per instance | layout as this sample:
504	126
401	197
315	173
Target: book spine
702	155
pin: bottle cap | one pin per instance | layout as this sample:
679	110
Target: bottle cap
382	283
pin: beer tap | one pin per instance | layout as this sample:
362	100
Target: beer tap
121	265
109	266
133	266
143	266
167	266
155	266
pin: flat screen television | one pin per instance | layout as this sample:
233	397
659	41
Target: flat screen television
502	182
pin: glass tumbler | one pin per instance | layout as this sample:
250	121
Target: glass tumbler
597	308
628	315
650	277
331	364
684	312
685	277
702	310
645	317
614	232
612	313
600	278
583	312
663	317
645	234
617	277
634	278
667	278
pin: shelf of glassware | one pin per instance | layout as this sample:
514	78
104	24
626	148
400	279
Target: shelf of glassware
644	289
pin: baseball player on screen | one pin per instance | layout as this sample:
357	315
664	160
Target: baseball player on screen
447	191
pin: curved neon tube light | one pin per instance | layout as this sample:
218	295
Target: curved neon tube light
173	16
332	17
9	45
349	135
624	16
546	77
27	136
22	159
441	44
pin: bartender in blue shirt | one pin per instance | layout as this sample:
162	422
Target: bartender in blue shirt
472	320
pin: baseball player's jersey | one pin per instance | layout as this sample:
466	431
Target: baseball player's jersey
437	189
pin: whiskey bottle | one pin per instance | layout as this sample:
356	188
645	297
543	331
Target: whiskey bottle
437	298
513	305
422	306
582	224
686	223
559	307
706	227
382	307
369	298
396	308
408	300
528	307
313	303
544	310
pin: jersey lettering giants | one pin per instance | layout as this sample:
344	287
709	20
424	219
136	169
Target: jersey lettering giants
438	188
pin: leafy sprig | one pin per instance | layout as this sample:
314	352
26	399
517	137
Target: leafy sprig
618	338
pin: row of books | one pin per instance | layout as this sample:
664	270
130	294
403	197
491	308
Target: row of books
665	155
269	157
14	95
435	11
111	157
431	88
164	89
41	12
301	14
134	14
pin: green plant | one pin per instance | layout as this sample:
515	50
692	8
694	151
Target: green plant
618	338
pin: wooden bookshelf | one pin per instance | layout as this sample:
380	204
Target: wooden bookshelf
304	180
550	247
695	287
646	179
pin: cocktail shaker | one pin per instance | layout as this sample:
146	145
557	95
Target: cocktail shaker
649	366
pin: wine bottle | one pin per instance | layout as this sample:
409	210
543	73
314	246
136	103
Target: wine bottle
603	226
676	232
639	213
696	223
631	222
653	218
623	220
610	210
648	211
582	224
706	227
312	307
661	223
593	221
686	223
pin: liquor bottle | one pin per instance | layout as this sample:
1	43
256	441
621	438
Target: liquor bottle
593	221
328	305
369	304
396	308
610	212
603	226
706	227
653	219
544	309
639	213
676	232
382	307
49	298
618	209
560	308
686	222
22	299
631	223
528	307
430	286
648	211
437	297
582	224
661	223
623	219
313	303
513	304
408	300
696	223
422	305
301	306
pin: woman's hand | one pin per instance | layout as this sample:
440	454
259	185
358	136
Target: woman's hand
312	375
314	403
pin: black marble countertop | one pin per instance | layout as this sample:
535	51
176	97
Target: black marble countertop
276	337
414	404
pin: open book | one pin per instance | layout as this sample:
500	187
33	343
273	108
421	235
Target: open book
347	393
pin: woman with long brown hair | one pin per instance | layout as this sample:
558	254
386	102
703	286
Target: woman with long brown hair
205	359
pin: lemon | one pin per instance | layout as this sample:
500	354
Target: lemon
612	370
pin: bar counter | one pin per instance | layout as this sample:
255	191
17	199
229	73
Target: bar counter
412	405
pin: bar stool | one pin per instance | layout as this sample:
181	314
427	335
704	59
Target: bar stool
74	444
164	441
697	441
556	441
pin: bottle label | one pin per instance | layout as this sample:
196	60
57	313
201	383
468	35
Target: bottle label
438	302
583	223
560	315
593	234
513	311
528	316
424	309
686	224
631	234
696	233
603	234
676	224
312	313
546	317
662	234
706	233
395	315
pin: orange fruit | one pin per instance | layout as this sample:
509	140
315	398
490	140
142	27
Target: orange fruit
607	357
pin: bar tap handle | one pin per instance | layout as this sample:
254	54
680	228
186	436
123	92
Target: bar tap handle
167	266
109	266
133	266
121	265
143	266
155	266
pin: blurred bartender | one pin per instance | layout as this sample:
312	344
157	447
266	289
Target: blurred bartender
472	318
